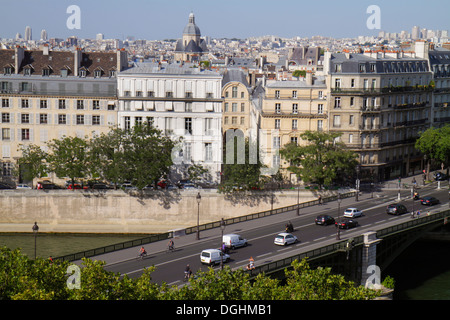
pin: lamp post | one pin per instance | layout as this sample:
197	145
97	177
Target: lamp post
338	232
199	198
358	169
298	198
35	231
222	227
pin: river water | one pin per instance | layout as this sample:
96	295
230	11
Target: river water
422	272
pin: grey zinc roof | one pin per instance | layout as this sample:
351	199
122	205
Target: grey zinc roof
174	69
318	82
234	75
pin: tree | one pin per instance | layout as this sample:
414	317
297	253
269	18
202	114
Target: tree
147	155
240	170
68	157
321	160
196	172
435	144
33	163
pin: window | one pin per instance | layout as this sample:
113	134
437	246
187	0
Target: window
276	161
111	107
139	94
351	120
277	108
150	121
338	67
350	138
188	95
6	134
352	83
208	151
295	108
234	92
25	103
150	94
97	73
25	134
242	120
352	101
188	107
96	120
276	142
80	105
294	94
234	120
277	123
83	73
208	126
225	121
127	123
188	125
61	119
337	102
5	103
320	94
61	104
96	104
234	107
336	121
242	95
187	155
45	72
168	125
277	94
242	107
43	118
362	68
319	125
320	109
337	83
7	169
169	94
5	117
127	93
24	118
294	124
294	140
226	106
80	119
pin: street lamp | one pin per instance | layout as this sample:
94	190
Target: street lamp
298	200
35	231
358	169
199	198
338	232
222	227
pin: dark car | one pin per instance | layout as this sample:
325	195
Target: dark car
440	176
429	201
324	220
5	186
50	186
100	186
347	224
396	208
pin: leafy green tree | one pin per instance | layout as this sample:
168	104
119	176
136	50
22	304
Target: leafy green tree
33	163
68	157
196	172
240	170
321	160
435	144
147	155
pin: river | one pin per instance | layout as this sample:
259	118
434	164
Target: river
422	272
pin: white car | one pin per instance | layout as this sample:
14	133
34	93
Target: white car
284	238
212	256
234	241
23	186
352	213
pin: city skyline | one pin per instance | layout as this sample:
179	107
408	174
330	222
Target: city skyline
158	20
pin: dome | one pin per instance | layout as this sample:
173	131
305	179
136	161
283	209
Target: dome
191	28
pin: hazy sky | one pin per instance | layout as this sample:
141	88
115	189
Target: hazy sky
158	19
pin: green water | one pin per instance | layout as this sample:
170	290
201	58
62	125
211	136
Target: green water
56	245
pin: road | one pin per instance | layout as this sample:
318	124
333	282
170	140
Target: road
260	234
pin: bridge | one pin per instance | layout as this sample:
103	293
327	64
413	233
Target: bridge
378	241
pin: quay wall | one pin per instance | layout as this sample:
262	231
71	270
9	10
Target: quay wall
117	211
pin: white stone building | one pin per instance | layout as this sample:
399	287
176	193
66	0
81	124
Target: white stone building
183	101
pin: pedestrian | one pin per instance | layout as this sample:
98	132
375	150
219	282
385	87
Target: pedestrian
320	200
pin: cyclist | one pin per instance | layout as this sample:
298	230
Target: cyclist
187	272
170	244
142	252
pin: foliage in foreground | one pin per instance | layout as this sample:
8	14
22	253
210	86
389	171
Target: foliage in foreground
25	279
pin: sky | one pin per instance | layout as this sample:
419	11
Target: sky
166	19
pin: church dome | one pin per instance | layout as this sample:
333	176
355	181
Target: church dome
191	28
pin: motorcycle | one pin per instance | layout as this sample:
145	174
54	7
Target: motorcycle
289	228
416	196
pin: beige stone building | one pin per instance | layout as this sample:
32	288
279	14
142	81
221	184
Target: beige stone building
287	109
46	95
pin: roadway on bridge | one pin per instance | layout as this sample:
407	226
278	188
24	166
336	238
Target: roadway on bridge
260	234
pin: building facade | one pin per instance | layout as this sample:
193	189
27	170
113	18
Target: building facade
47	95
380	101
183	101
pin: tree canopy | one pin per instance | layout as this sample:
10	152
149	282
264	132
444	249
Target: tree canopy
321	160
435	144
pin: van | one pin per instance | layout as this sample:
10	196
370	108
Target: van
234	241
212	256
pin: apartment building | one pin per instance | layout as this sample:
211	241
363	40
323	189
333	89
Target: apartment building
287	109
46	95
439	59
182	100
380	101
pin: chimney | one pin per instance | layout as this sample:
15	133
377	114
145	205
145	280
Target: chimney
18	58
309	78
77	61
45	50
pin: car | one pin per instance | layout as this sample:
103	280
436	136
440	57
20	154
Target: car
99	186
347	224
284	238
429	201
74	186
189	186
171	187
23	186
47	185
439	176
396	209
234	241
5	186
352	213
324	220
213	256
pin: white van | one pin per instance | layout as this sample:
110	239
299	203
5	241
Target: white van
212	256
234	241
